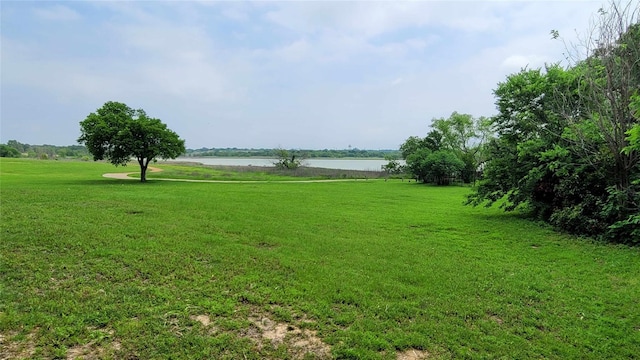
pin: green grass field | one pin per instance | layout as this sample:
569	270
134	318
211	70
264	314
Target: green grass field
366	269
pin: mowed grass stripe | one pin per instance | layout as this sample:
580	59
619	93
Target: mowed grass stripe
375	268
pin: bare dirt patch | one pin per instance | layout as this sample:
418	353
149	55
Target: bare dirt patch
205	320
299	342
413	354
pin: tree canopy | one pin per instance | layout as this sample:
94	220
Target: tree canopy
117	133
565	143
8	151
453	149
567	138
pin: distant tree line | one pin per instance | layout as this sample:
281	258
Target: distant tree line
14	148
79	151
275	153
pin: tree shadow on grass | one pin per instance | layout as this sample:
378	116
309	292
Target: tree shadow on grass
504	215
119	182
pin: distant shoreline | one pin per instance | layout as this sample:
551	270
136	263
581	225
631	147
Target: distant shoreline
360	164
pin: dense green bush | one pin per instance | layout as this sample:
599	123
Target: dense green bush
8	151
567	150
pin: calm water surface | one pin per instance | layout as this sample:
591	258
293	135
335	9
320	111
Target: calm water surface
343	164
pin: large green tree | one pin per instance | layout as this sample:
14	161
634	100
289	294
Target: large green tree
465	136
417	163
460	136
525	127
118	133
443	166
411	145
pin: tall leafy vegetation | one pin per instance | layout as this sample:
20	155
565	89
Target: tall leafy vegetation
453	149
117	133
567	138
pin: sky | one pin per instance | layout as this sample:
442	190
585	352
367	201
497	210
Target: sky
294	74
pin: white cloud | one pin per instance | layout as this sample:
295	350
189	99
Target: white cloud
516	62
236	13
356	18
368	19
56	13
296	51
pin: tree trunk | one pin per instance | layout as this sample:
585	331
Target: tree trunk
143	169
143	174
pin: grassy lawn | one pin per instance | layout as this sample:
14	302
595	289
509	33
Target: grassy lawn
103	268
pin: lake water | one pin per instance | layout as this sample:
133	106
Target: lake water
343	164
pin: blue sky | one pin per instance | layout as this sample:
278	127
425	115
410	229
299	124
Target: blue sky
295	74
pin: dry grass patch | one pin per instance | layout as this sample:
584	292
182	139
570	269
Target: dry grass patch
94	350
12	349
498	320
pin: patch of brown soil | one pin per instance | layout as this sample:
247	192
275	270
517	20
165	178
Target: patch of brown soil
300	342
413	354
10	349
205	320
